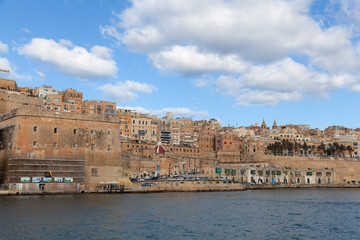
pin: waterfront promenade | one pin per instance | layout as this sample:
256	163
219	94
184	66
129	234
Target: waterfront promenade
184	186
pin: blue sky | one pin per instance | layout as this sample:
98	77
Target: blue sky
296	62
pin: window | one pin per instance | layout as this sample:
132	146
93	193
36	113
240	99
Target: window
55	145
92	146
109	111
328	173
55	130
94	172
109	147
260	172
308	173
35	129
34	144
252	171
92	132
75	146
74	131
243	172
109	133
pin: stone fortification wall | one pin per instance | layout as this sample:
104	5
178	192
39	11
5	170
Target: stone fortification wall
27	111
12	100
346	169
41	133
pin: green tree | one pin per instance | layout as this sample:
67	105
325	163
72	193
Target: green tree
350	149
305	147
321	148
341	150
336	149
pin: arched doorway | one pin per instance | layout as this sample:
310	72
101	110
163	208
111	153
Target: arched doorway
319	181
298	180
329	181
308	180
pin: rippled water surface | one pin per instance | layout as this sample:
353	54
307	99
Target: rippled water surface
269	214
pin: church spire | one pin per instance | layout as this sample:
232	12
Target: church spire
263	125
274	125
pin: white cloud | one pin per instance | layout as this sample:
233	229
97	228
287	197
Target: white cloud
71	59
267	98
110	31
4	48
188	60
252	44
180	112
6	65
25	30
40	74
285	80
126	91
102	52
203	81
176	111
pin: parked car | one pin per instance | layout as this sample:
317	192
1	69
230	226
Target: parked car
141	179
147	177
147	184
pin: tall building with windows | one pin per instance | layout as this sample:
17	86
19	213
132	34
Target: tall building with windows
98	107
